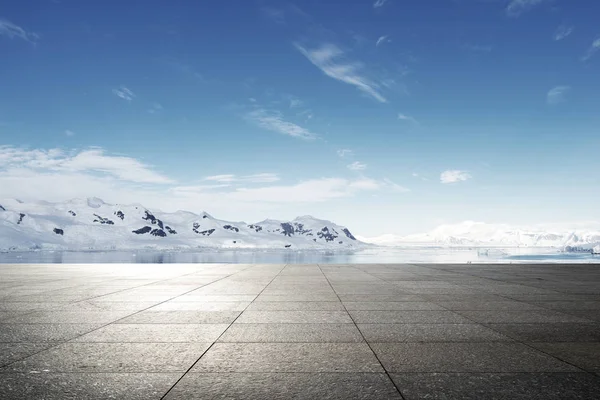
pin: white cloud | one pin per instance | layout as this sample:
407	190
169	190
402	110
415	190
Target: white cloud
394	187
273	121
295	102
345	152
89	161
12	31
379	3
124	93
557	95
562	32
327	59
357	166
592	50
518	7
69	133
404	117
155	108
255	178
382	39
453	176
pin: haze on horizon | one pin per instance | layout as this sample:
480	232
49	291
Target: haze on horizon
385	116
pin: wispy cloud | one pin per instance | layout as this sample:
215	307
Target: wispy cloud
394	187
87	161
69	133
124	93
382	39
562	32
408	118
345	153
454	176
592	50
328	58
517	7
295	102
12	31
273	121
276	15
155	108
557	95
379	3
255	178
357	166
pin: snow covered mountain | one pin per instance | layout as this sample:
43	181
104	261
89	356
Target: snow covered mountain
479	234
91	224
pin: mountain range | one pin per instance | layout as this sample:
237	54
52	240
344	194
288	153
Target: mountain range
479	234
92	224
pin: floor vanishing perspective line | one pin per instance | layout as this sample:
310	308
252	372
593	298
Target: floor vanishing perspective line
249	331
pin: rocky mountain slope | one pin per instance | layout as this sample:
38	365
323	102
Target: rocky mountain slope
91	224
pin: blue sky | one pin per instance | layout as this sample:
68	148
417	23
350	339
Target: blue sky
387	116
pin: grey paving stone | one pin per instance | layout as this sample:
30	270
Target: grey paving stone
583	355
296	306
15	333
556	332
10	352
181	317
298	297
507	317
276	386
498	386
112	357
380	297
407	317
85	386
294	317
208	298
590	315
429	333
569	305
466	357
288	333
85	306
174	305
392	306
288	357
145	333
69	317
483	305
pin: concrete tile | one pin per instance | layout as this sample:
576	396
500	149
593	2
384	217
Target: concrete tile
277	386
380	297
407	317
181	317
498	386
15	333
174	305
488	305
429	333
85	386
153	333
294	317
288	357
584	355
466	357
298	297
11	352
69	317
507	317
112	357
392	306
289	333
296	306
556	332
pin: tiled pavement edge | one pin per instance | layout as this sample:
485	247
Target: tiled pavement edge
208	331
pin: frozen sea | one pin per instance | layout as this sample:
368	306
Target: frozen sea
370	256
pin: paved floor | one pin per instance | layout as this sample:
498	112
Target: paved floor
212	331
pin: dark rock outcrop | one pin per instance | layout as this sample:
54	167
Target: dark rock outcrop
2	208
21	216
158	232
170	230
206	233
102	220
73	213
325	234
231	228
153	219
59	231
120	214
288	229
143	230
256	228
348	234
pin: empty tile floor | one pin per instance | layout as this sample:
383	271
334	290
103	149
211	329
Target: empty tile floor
223	331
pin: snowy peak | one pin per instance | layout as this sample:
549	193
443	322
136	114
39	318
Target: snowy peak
82	224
